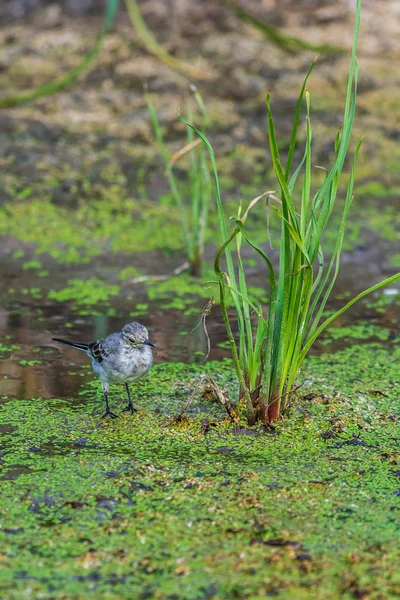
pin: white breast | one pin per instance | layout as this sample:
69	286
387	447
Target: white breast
126	365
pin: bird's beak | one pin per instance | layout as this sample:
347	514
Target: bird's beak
149	343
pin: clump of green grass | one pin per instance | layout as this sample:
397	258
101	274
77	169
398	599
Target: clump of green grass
272	344
194	211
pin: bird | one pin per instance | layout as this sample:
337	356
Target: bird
119	358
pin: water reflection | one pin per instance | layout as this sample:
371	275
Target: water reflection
61	371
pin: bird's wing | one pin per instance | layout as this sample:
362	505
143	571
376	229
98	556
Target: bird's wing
102	349
99	351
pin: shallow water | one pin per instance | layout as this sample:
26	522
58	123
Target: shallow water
30	325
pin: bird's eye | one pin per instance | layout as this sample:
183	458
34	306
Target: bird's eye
131	339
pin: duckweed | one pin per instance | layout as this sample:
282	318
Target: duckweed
131	508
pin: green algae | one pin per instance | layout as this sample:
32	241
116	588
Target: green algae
31	264
76	237
8	347
29	363
51	228
182	293
382	302
130	508
385	221
363	330
395	260
108	220
89	292
34	292
129	273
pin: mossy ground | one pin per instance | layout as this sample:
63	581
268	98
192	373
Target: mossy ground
132	509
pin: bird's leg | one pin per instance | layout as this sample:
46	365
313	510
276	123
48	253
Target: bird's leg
130	406
108	412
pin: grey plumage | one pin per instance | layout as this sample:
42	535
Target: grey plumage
119	358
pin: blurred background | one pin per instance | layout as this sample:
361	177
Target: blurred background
85	206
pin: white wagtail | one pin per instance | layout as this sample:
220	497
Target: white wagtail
119	358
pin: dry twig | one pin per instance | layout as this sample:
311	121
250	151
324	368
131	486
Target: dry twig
175	272
219	395
206	310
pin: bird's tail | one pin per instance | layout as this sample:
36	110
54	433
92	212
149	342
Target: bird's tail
83	347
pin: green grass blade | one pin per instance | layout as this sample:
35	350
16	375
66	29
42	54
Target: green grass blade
296	236
109	15
305	196
285	42
239	367
293	179
220	209
55	86
150	43
293	137
337	314
336	254
288	207
336	170
73	75
283	292
296	342
205	197
247	345
195	174
226	241
268	330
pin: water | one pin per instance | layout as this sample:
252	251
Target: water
31	324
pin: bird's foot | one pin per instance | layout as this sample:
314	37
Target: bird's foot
110	414
130	408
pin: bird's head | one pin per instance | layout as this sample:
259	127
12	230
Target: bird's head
136	335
